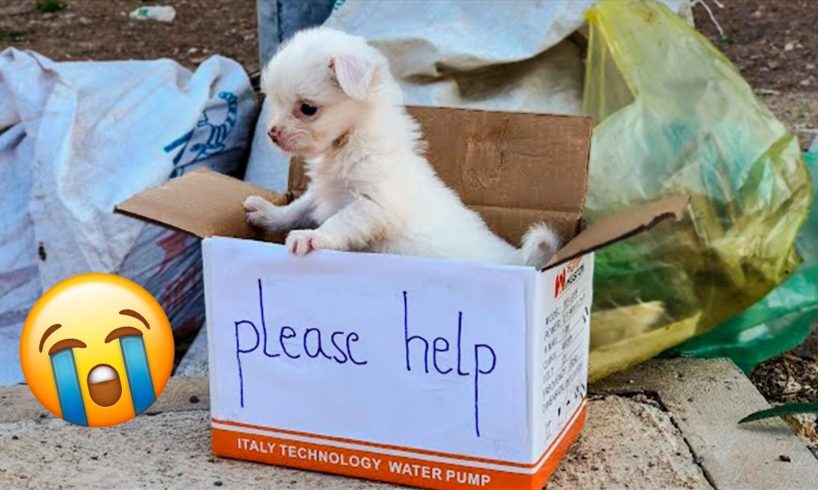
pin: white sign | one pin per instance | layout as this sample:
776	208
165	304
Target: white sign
427	352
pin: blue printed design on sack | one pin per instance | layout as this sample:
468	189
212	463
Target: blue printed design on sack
212	144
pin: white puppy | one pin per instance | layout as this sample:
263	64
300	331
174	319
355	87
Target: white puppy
335	103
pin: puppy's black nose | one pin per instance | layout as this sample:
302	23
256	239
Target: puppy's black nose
274	134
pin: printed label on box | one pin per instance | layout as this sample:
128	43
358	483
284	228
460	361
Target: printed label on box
562	344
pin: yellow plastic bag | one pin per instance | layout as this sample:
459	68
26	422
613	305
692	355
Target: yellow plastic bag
673	115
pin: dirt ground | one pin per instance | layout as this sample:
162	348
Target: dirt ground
793	378
775	46
773	43
102	30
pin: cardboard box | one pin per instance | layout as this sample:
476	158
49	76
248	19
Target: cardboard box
411	370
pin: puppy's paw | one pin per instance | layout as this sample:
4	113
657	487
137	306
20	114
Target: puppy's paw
302	242
260	212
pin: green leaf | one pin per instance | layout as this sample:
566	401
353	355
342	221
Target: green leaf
788	409
49	6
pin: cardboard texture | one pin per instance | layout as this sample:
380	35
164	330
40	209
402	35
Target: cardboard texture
203	203
432	373
512	223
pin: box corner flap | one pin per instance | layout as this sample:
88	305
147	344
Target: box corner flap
620	226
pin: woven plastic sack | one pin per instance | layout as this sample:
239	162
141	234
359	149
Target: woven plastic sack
673	115
76	138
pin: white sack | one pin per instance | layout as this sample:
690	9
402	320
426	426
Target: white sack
512	56
77	138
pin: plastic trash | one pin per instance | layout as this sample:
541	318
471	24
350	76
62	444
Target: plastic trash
780	321
673	115
159	13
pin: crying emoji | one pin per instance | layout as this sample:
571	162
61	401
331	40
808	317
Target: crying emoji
96	350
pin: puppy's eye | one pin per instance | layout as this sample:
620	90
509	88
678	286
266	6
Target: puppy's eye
308	110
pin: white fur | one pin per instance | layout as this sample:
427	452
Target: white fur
370	187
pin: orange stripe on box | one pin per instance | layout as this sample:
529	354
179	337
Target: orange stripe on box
409	449
372	465
556	457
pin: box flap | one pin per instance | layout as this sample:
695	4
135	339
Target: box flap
203	203
621	225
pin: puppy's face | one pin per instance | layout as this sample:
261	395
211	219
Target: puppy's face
317	96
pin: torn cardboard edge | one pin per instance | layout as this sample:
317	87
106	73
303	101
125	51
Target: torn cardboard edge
206	203
621	226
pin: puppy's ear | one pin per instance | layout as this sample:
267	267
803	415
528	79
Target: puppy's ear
354	73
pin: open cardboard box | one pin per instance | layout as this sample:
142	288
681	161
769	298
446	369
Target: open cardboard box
411	370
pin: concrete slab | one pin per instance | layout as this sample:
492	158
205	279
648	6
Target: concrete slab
181	394
664	425
167	450
706	400
629	443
